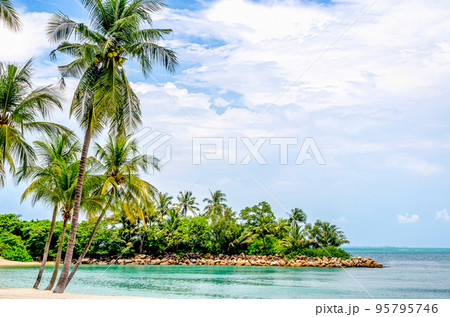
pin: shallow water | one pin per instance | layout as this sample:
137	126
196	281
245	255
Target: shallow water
410	273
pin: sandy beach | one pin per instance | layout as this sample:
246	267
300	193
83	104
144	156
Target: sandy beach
4	262
28	293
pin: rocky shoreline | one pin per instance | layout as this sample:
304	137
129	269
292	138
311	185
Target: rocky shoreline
237	260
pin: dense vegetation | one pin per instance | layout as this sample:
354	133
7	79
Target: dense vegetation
255	231
125	214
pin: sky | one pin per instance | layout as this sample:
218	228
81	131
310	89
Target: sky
337	107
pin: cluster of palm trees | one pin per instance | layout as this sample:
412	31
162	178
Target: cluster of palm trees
118	30
60	173
254	229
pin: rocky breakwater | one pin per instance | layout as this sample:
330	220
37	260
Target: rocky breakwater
238	260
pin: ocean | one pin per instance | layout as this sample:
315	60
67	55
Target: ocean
408	273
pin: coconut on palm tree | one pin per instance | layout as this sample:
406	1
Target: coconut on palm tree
21	106
118	30
9	16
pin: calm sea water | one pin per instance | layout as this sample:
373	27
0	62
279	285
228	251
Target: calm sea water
410	273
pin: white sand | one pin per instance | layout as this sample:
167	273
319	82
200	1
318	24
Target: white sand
28	293
5	262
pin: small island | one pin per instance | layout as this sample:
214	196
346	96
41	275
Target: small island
178	233
238	260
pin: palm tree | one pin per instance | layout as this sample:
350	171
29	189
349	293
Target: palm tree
104	96
324	234
120	162
21	105
296	217
187	202
297	239
169	226
216	203
56	185
9	16
261	220
163	204
58	147
224	229
281	228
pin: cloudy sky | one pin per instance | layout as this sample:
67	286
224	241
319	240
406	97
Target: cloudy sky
361	84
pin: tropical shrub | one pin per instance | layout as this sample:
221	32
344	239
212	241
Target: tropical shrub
12	248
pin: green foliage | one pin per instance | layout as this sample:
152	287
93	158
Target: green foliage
10	223
13	248
22	110
328	251
164	228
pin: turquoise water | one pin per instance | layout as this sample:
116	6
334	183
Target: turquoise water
410	273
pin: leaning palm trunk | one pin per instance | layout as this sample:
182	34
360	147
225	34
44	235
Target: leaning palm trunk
62	282
88	245
58	256
47	248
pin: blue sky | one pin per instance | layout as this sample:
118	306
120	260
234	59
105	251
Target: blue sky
374	97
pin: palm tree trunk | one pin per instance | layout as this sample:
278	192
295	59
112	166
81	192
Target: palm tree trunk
88	244
47	248
141	247
62	282
58	256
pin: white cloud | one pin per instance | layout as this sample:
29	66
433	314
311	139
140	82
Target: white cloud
341	219
412	164
407	219
442	214
262	56
32	41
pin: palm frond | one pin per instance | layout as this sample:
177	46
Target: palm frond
9	16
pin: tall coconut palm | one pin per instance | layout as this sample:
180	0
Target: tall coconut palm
216	203
104	96
9	16
20	108
56	185
58	147
186	201
120	163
